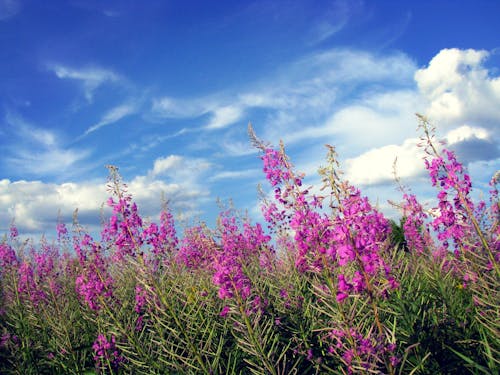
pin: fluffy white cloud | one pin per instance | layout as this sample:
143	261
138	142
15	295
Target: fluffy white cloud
35	205
465	132
165	164
375	120
377	165
460	89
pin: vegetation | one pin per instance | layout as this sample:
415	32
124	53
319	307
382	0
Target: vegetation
330	286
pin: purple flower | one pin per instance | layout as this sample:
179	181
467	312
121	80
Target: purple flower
124	228
106	352
197	250
225	311
94	284
275	166
8	257
14	233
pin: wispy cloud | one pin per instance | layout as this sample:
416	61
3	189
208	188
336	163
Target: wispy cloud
233	175
167	107
113	115
37	151
221	114
90	77
334	20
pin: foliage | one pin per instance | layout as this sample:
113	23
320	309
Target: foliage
331	286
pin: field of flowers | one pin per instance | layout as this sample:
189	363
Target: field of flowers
326	285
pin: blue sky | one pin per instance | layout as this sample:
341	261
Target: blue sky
165	89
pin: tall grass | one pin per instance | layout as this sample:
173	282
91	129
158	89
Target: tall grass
328	286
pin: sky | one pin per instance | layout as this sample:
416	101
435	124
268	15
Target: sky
164	90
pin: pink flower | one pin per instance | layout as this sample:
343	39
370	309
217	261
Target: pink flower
225	311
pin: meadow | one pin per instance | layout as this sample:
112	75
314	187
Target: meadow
326	285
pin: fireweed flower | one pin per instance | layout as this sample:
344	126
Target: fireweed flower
9	265
452	222
359	351
275	166
37	275
8	257
141	299
27	286
14	233
296	211
313	240
124	228
360	233
46	262
106	353
416	232
355	234
94	283
197	250
238	248
162	239
62	232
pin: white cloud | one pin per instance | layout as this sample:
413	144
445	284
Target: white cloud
381	119
224	116
49	161
373	121
459	89
113	115
162	165
237	148
91	78
376	165
35	205
466	132
179	168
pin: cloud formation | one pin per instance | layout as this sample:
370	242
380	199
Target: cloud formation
37	151
113	115
225	116
364	103
91	78
35	205
459	89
